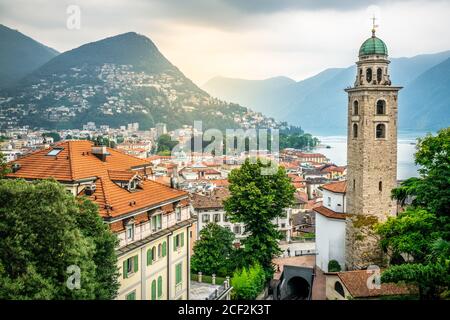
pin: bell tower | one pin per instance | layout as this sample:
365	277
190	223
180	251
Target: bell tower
371	153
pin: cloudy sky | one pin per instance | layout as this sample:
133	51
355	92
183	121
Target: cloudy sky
251	39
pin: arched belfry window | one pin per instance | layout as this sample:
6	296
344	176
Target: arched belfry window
355	131
360	76
381	107
369	75
355	108
381	131
380	186
379	75
339	288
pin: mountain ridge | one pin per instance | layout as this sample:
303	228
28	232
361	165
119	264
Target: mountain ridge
20	55
114	81
309	101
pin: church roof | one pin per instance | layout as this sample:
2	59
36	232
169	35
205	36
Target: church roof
373	45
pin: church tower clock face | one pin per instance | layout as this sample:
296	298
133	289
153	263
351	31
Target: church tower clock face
371	153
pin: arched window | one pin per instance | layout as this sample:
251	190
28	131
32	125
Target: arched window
355	131
381	131
153	290
369	75
381	107
159	250
355	108
154	253
360	76
354	184
379	75
339	288
160	287
380	186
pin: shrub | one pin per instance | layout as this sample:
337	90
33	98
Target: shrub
334	266
248	283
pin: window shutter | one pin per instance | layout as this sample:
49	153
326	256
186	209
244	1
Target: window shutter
182	238
164	249
136	263
149	257
174	243
153	290
159	286
125	268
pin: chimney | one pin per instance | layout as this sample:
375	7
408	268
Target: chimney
100	152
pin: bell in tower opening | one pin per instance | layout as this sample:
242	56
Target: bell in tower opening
371	154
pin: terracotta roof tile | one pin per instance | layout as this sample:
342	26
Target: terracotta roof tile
76	161
330	213
336	187
356	283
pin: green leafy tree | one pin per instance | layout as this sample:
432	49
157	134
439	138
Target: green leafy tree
55	135
256	200
334	266
212	252
165	144
419	237
45	230
3	166
248	282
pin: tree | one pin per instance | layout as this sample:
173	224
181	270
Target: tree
419	237
44	231
3	166
165	143
248	282
334	266
212	252
256	199
55	135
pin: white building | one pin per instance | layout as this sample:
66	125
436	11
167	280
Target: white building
209	208
330	225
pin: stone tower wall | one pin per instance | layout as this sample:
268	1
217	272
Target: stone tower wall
370	161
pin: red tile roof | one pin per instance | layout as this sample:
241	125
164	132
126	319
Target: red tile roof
330	213
76	162
356	283
336	187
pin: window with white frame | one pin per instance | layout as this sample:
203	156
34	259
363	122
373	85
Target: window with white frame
205	217
130	231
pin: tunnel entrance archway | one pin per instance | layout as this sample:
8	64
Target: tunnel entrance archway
297	289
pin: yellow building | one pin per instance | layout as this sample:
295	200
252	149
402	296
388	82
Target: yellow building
152	221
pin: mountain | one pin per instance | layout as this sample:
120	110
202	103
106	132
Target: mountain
427	99
20	55
116	81
251	93
319	103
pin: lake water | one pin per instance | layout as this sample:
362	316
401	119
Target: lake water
405	152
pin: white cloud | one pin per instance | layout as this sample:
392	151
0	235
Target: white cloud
206	38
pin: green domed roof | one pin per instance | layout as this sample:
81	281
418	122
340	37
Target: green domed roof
373	45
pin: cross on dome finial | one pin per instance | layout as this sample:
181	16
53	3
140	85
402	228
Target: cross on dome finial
374	25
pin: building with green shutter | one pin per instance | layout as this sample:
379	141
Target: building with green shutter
152	221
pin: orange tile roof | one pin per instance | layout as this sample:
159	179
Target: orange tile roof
330	213
121	175
336	187
76	162
356	283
